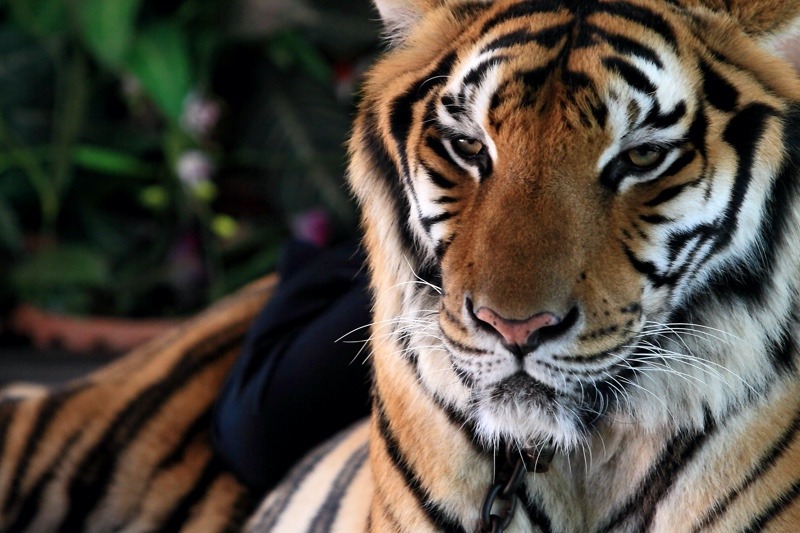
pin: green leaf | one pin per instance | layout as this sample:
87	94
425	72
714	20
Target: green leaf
40	17
108	27
160	59
109	161
58	267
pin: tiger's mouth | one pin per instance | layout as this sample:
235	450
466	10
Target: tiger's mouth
524	399
523	389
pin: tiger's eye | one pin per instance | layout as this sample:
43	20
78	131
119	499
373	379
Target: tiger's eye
467	147
645	156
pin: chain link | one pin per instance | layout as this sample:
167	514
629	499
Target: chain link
503	493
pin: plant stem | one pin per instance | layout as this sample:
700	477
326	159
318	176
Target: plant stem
26	159
71	99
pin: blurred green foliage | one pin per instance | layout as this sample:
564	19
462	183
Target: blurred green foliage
152	153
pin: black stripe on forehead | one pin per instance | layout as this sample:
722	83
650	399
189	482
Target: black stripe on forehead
657	119
578	34
582	9
639	15
718	91
401	111
475	75
627	47
521	10
547	37
632	75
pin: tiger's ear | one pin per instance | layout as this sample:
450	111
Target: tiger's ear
400	16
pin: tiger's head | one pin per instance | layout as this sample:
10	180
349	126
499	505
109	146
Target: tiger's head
580	212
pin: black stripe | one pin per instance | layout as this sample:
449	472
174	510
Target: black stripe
431	273
468	10
698	132
575	80
199	491
638	512
600	113
743	133
401	114
772	455
47	413
442	247
535	511
520	10
660	120
533	80
296	476
547	37
327	513
752	279
8	407
451	105
628	47
717	90
667	194
439	179
245	503
198	427
783	350
683	161
444	200
476	75
33	500
435	514
647	268
96	471
783	501
679	239
655	219
384	167
438	148
632	75
639	15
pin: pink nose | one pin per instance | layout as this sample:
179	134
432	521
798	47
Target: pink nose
516	332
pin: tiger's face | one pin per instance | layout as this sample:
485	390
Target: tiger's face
574	181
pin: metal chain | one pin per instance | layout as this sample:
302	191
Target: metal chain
503	492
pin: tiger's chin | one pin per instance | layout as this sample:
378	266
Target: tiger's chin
524	412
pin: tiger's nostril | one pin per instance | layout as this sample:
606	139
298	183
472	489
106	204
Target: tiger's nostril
516	332
523	336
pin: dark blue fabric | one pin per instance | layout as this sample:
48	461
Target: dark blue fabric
293	385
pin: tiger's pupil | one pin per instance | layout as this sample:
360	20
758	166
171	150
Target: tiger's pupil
644	156
468	147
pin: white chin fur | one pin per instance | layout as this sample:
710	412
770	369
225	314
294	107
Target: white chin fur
525	424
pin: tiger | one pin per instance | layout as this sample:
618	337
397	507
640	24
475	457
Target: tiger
127	448
582	221
583	235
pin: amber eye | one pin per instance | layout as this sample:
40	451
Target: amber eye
645	156
466	147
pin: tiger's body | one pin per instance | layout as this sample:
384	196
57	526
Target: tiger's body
583	227
127	448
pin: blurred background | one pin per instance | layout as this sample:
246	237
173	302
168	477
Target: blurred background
154	156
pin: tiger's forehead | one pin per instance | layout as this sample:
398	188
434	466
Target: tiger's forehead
595	61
